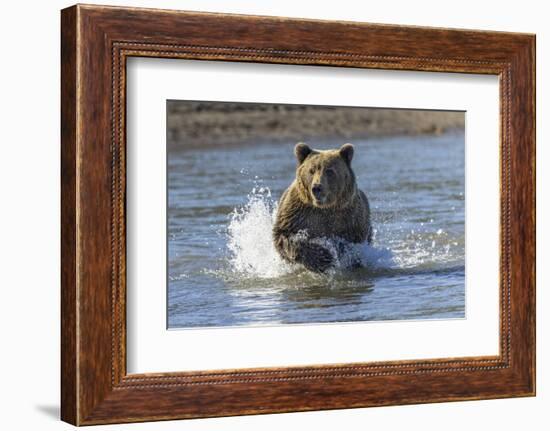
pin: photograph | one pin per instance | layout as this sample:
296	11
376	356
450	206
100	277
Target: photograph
282	214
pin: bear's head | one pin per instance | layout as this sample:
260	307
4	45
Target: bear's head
325	178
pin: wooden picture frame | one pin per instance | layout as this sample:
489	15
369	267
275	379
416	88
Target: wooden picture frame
96	41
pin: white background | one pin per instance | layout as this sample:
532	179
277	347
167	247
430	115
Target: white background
29	227
151	348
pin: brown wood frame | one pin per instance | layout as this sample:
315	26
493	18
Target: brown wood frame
95	43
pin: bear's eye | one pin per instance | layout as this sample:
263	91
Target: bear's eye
312	170
330	172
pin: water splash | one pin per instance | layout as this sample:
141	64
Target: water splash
252	252
249	237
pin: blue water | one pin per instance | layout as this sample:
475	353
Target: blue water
224	271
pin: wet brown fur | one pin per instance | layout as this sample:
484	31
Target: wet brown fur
343	212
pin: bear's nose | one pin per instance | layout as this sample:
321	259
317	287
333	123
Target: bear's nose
317	189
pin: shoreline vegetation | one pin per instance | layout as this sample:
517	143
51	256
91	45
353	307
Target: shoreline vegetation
193	124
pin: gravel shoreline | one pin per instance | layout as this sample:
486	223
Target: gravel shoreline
215	124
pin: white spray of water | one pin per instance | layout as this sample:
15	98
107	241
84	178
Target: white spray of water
253	253
250	239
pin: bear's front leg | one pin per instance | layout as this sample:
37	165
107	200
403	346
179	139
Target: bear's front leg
313	256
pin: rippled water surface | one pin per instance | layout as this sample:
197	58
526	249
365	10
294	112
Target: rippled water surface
224	271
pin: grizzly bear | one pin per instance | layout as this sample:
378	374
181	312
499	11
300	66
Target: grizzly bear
323	202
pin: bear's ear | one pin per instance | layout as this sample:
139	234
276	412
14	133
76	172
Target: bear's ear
302	151
346	152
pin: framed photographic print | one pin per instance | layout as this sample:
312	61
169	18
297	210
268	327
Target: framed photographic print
264	215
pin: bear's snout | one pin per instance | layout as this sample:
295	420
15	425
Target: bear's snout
317	190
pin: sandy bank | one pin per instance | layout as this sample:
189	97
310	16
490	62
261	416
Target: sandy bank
195	124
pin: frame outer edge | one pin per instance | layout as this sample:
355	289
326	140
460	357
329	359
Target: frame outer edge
69	195
523	252
530	63
531	126
533	54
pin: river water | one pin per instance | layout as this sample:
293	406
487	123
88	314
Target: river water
224	270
